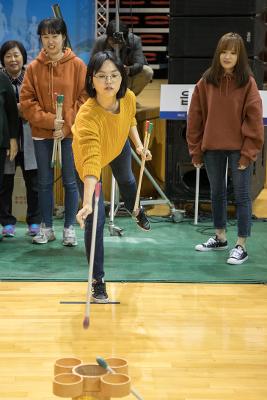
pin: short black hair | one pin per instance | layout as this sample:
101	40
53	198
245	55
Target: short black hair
52	25
10	44
94	65
111	29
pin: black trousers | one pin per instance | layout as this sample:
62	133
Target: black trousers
30	178
2	165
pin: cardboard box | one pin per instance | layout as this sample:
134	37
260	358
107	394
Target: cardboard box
19	200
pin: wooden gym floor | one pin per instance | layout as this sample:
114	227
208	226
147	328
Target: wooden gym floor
182	341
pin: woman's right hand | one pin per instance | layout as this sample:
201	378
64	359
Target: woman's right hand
58	124
83	214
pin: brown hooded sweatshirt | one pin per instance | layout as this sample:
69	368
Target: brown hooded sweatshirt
43	80
225	118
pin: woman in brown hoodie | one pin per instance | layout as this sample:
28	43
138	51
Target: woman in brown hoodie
56	70
225	123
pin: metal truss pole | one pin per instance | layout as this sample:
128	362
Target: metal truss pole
101	17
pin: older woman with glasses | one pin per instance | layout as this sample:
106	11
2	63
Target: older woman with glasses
13	58
100	137
9	124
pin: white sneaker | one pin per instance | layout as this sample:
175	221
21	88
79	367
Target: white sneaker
212	243
69	237
44	236
237	256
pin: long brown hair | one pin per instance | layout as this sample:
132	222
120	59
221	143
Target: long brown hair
242	71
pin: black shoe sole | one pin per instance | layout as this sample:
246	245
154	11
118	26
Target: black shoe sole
100	301
143	229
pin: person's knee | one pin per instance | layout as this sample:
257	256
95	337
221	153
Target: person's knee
70	186
126	182
242	198
218	194
139	81
148	73
45	186
145	76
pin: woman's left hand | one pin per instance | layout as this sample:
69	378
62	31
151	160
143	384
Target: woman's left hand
146	155
58	134
12	152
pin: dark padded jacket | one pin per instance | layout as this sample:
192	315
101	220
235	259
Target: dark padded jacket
9	119
131	54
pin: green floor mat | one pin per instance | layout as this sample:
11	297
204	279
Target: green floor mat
165	254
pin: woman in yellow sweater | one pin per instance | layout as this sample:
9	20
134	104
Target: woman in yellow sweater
100	137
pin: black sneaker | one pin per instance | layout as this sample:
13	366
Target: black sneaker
237	255
99	293
212	243
142	220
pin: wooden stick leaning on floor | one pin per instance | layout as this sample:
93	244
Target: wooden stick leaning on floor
57	142
86	321
197	195
148	131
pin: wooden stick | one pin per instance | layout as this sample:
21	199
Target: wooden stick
53	160
197	195
57	142
148	130
59	152
86	321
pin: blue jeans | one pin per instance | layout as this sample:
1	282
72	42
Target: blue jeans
215	163
121	168
43	152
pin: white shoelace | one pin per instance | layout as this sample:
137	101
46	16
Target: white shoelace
236	253
43	233
211	241
69	233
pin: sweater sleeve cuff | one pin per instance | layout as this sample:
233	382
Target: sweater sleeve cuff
91	171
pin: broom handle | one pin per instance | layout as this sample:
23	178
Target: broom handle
53	160
148	130
92	250
59	116
197	196
57	142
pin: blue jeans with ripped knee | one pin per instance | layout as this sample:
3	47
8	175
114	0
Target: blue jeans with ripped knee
121	168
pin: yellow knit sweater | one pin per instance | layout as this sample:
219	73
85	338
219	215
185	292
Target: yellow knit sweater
99	136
